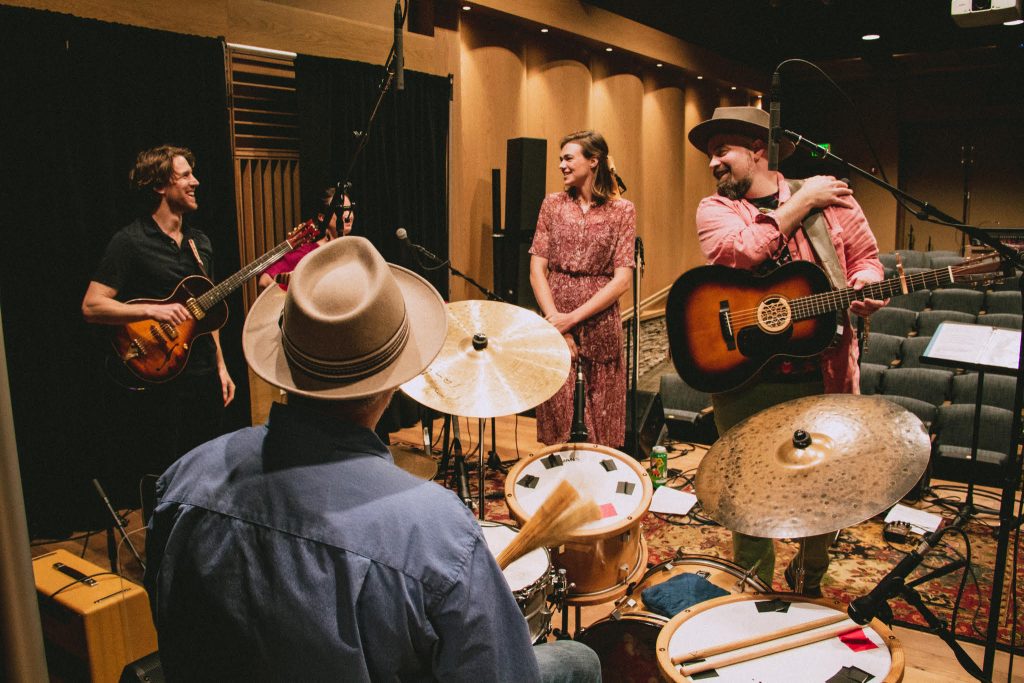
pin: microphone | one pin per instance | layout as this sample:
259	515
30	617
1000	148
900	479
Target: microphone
399	53
403	235
578	432
774	122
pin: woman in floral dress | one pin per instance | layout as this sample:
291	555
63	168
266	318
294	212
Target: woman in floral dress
581	263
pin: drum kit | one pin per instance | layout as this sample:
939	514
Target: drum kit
809	466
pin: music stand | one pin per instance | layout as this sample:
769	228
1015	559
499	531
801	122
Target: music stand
980	348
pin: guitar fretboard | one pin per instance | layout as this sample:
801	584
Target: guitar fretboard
218	292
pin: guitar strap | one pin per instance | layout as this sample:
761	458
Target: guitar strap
816	230
199	260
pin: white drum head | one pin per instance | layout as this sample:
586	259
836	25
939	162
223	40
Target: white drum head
817	662
525	571
607	478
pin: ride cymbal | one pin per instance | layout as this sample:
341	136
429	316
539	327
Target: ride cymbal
498	359
812	465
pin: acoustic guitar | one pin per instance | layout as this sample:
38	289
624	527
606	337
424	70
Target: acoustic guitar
157	351
724	324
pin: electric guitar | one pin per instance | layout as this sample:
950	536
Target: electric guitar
724	324
157	351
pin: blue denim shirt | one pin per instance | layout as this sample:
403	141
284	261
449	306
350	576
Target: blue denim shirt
298	551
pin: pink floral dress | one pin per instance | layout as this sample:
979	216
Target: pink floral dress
583	250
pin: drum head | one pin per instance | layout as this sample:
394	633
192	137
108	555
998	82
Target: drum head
626	647
525	571
620	487
871	649
727	575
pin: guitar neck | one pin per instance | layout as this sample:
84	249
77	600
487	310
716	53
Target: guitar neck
218	292
840	299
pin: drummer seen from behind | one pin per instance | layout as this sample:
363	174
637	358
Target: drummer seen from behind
754	222
279	271
297	550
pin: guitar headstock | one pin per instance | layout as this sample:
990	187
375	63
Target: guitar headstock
303	233
983	270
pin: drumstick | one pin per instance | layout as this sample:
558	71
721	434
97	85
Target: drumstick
557	517
761	638
739	657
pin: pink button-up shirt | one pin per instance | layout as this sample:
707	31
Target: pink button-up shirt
735	233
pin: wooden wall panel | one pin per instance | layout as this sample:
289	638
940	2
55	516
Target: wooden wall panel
663	143
491	103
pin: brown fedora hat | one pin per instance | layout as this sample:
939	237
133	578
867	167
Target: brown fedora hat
350	325
751	121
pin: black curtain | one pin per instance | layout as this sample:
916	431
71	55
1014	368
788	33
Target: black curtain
400	178
80	98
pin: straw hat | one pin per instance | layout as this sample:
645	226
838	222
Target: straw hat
350	325
751	121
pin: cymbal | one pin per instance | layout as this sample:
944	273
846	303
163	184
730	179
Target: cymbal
498	359
812	465
414	462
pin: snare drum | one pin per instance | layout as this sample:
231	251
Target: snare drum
601	557
530	578
723	620
626	642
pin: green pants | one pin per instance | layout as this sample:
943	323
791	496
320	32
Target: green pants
749	551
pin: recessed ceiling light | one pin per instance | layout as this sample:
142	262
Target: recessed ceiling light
732	87
1013	22
659	65
700	78
466	8
870	36
544	30
607	49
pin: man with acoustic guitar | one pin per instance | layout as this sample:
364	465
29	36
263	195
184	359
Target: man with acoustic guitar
158	422
758	221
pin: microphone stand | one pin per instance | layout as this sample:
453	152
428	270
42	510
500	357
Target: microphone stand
1014	463
864	609
392	65
119	523
634	348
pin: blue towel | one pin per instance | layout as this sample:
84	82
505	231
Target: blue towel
671	597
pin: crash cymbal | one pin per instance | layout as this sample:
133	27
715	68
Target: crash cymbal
812	465
413	461
498	359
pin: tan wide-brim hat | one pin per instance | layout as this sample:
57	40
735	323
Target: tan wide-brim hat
349	326
750	121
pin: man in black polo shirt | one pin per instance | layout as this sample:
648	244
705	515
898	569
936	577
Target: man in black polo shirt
152	425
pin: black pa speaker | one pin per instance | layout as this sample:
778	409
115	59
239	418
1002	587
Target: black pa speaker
651	425
524	193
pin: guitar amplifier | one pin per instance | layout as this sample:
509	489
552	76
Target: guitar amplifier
92	626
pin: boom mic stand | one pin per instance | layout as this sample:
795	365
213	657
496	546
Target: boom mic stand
865	608
1014	463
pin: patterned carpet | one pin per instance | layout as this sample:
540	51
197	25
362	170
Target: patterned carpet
860	559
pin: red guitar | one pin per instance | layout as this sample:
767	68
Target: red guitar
724	324
157	351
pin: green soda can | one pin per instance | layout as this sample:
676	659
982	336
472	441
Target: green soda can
659	466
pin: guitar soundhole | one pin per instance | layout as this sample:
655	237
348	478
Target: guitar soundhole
774	314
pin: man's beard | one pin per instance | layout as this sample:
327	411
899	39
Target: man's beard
735	189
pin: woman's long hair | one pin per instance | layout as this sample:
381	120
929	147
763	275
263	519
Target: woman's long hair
594	146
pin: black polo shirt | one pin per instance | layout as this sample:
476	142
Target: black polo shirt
142	262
